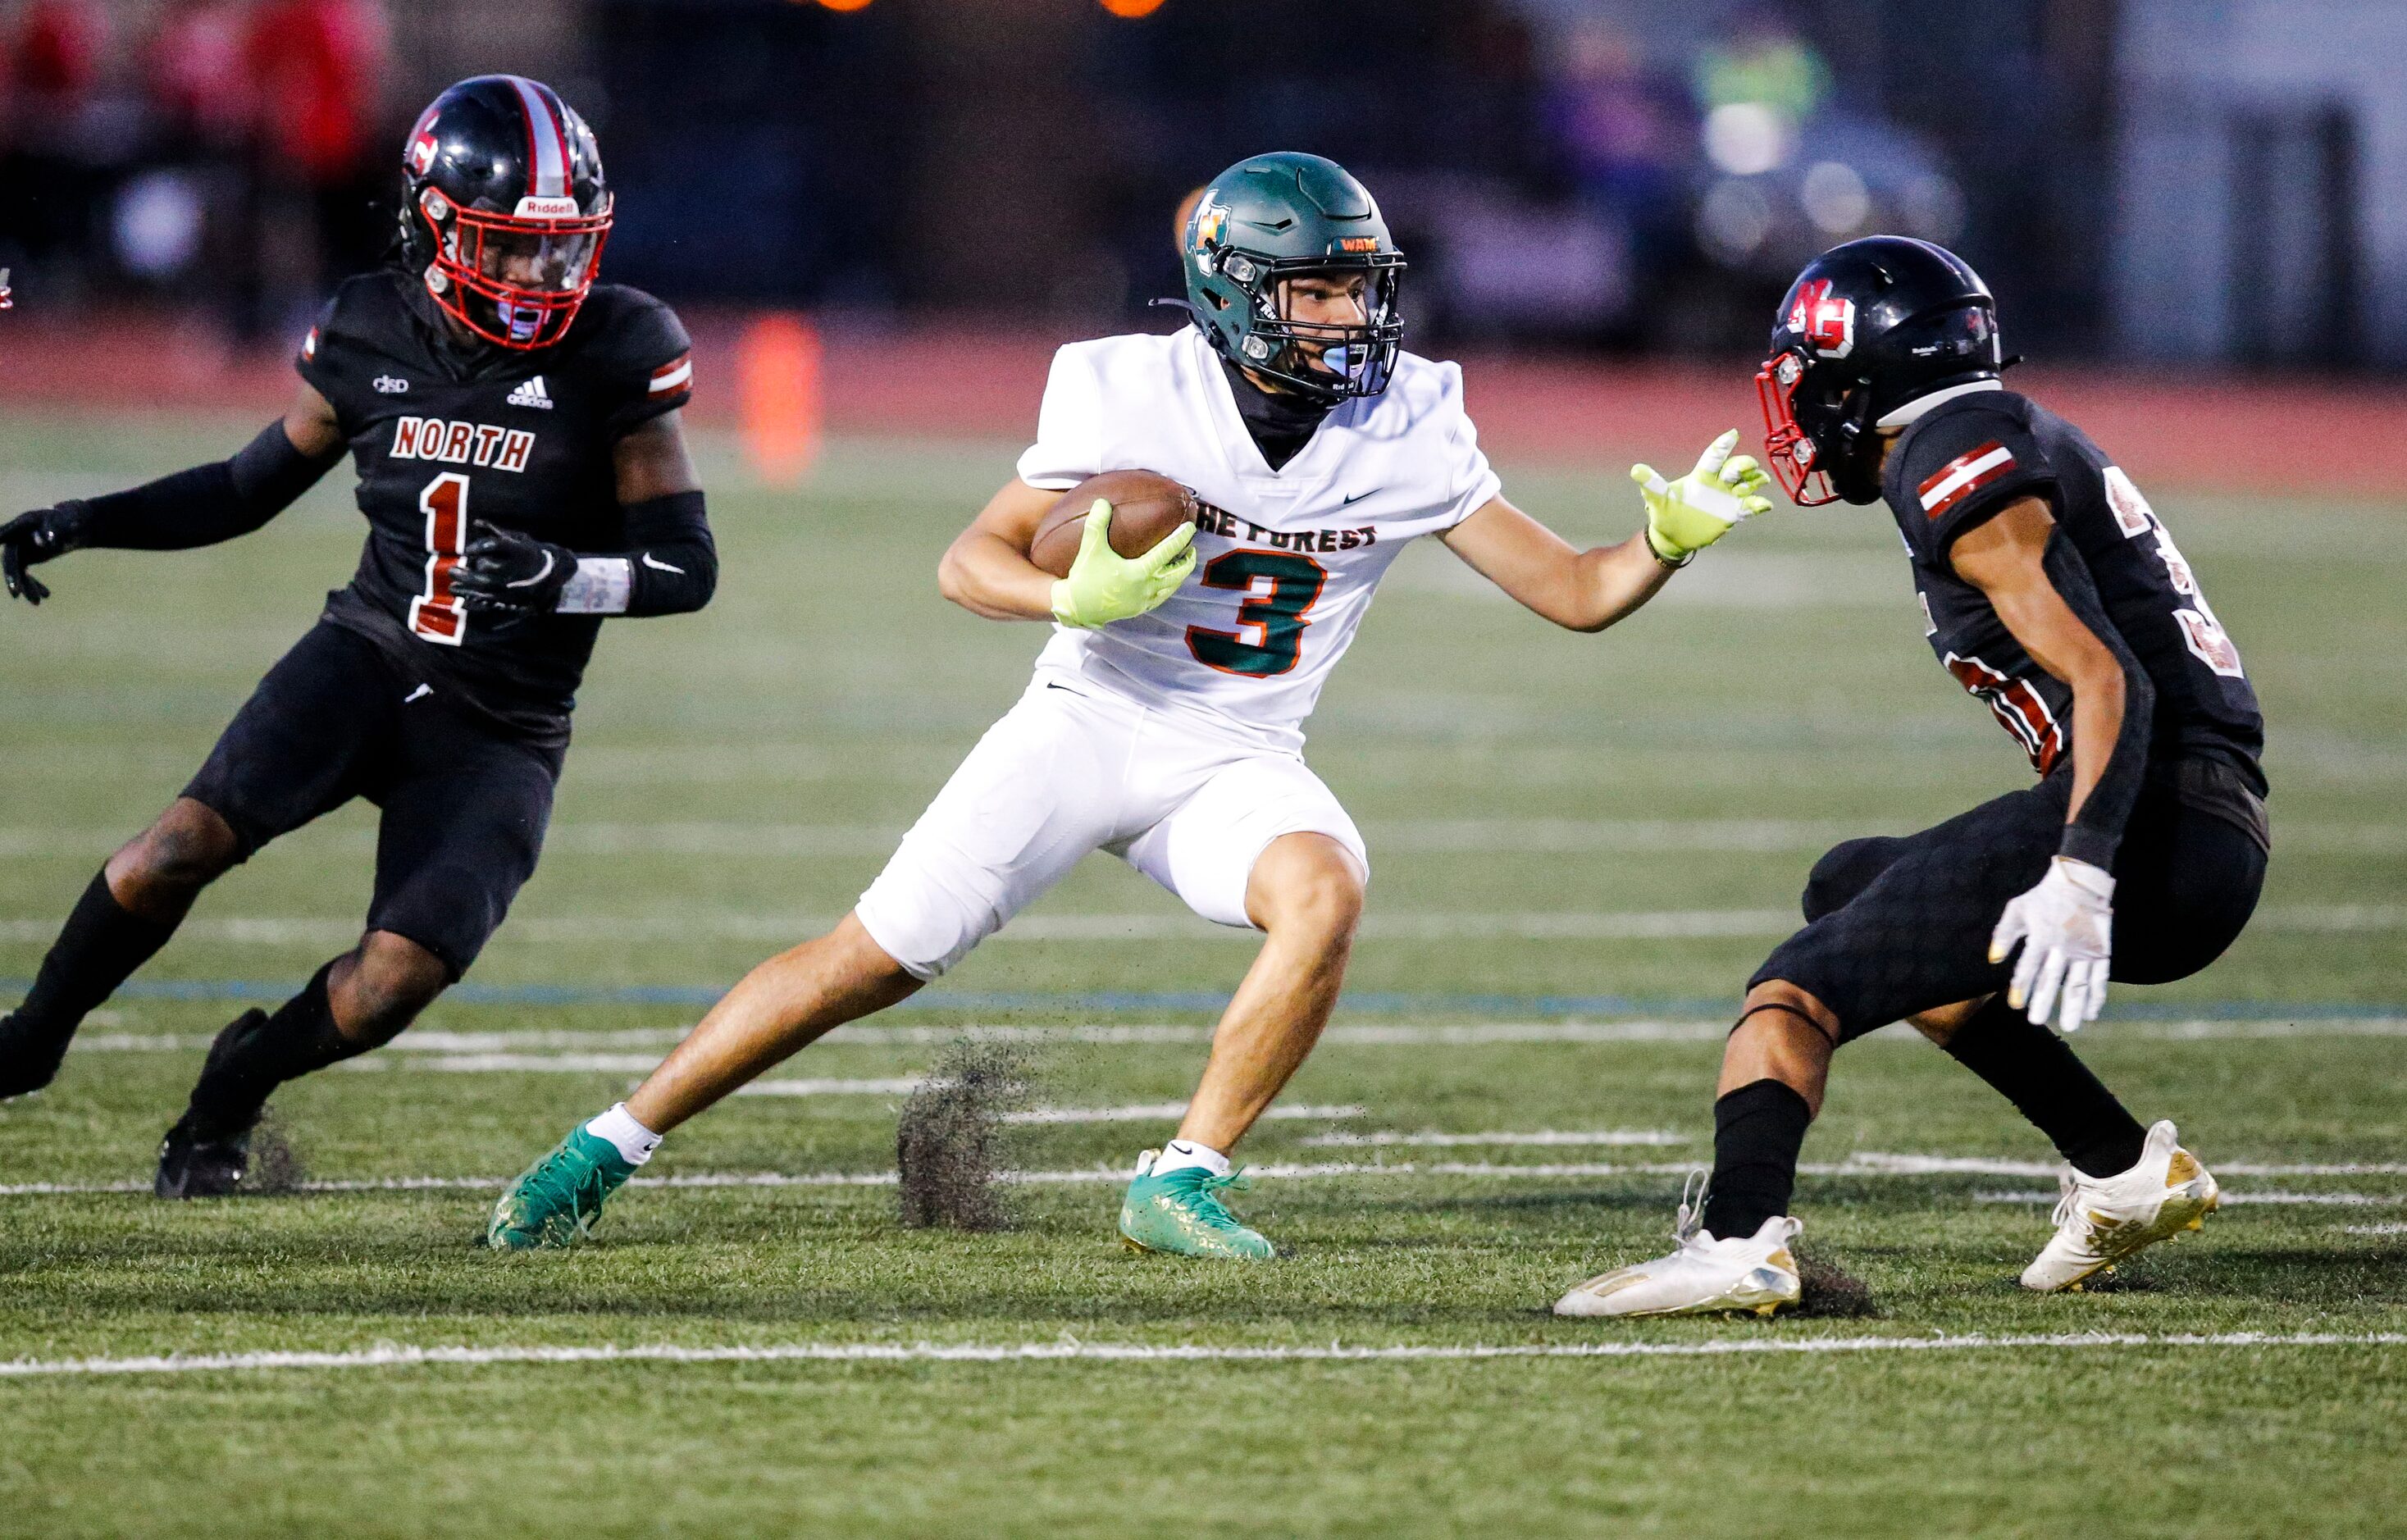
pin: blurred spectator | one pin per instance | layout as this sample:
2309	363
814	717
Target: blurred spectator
50	60
1627	136
321	208
182	222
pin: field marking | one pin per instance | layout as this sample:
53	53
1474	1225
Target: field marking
2251	1195
1396	837
1142	1112
1864	1165
394	1356
1542	1137
2391	1227
440	1043
1520	925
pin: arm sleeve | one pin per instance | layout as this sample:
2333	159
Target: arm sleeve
671	566
1956	470
1471	482
1069	426
657	375
2096	833
208	503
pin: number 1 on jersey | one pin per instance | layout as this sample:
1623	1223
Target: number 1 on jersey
435	614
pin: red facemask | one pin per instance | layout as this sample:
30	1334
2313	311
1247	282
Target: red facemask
516	281
1790	455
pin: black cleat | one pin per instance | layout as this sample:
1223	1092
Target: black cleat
201	1168
30	1055
195	1165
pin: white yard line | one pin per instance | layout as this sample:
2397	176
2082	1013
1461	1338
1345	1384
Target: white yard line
392	1356
441	1041
1539	1136
1869	1165
2251	1195
1522	925
1398	836
1141	1112
2392	1227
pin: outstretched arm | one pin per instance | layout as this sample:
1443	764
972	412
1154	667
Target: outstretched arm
1581	590
200	506
670	565
1588	591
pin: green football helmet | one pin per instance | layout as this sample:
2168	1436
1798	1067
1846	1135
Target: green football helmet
1272	218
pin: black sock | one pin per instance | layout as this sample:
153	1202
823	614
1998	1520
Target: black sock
259	1053
97	950
2036	1070
1758	1131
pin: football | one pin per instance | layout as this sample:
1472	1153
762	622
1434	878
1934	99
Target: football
1146	508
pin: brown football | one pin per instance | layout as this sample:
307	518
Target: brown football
1146	508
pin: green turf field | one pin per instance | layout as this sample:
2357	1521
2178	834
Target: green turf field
1582	846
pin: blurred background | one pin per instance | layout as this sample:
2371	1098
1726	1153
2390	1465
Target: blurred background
2139	179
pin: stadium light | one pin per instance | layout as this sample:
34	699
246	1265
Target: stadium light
844	4
1132	7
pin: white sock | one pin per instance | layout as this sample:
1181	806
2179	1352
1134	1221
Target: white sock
634	1142
1178	1154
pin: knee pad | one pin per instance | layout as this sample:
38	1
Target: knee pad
1845	871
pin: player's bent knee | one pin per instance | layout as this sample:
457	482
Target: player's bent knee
1307	882
187	848
1843	872
391	980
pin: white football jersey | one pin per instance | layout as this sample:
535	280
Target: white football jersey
1286	560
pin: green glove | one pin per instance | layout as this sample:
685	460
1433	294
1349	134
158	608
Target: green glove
1684	517
1103	586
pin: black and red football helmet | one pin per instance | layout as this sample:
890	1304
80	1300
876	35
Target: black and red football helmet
504	211
1867	328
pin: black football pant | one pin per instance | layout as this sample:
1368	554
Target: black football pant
465	805
1899	926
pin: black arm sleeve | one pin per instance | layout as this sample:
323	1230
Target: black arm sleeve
2097	832
671	560
208	503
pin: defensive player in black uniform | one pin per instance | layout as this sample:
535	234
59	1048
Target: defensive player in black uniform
523	474
2053	592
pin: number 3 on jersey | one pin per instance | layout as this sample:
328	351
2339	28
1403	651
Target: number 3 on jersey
1276	617
435	614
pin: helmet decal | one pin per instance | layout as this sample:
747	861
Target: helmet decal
1825	320
548	145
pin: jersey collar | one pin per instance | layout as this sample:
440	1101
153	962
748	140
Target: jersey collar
1912	411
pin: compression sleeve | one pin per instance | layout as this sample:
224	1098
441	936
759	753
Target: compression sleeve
671	566
208	503
2096	833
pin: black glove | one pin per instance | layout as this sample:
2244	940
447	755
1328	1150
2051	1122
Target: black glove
30	539
509	573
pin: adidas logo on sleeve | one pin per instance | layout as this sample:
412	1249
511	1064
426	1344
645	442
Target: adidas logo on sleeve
533	394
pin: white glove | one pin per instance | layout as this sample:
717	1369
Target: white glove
2066	928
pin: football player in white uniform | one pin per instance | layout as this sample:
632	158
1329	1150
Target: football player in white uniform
1164	722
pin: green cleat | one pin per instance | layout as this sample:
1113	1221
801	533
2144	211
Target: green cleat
1179	1212
557	1200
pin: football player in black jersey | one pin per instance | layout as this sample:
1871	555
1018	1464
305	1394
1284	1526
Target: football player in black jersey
524	474
2054	594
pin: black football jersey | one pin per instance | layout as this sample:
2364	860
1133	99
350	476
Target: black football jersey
1969	457
445	435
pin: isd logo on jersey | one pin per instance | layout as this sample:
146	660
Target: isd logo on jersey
392	385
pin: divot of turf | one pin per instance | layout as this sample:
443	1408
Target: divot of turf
1831	1291
275	1166
949	1141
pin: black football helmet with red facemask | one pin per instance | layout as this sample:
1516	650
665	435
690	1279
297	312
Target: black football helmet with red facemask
503	209
1869	328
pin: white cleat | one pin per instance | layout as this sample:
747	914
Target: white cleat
2100	1221
1705	1277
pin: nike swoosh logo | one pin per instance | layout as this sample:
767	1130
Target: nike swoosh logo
1356	498
530	582
662	566
418	694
